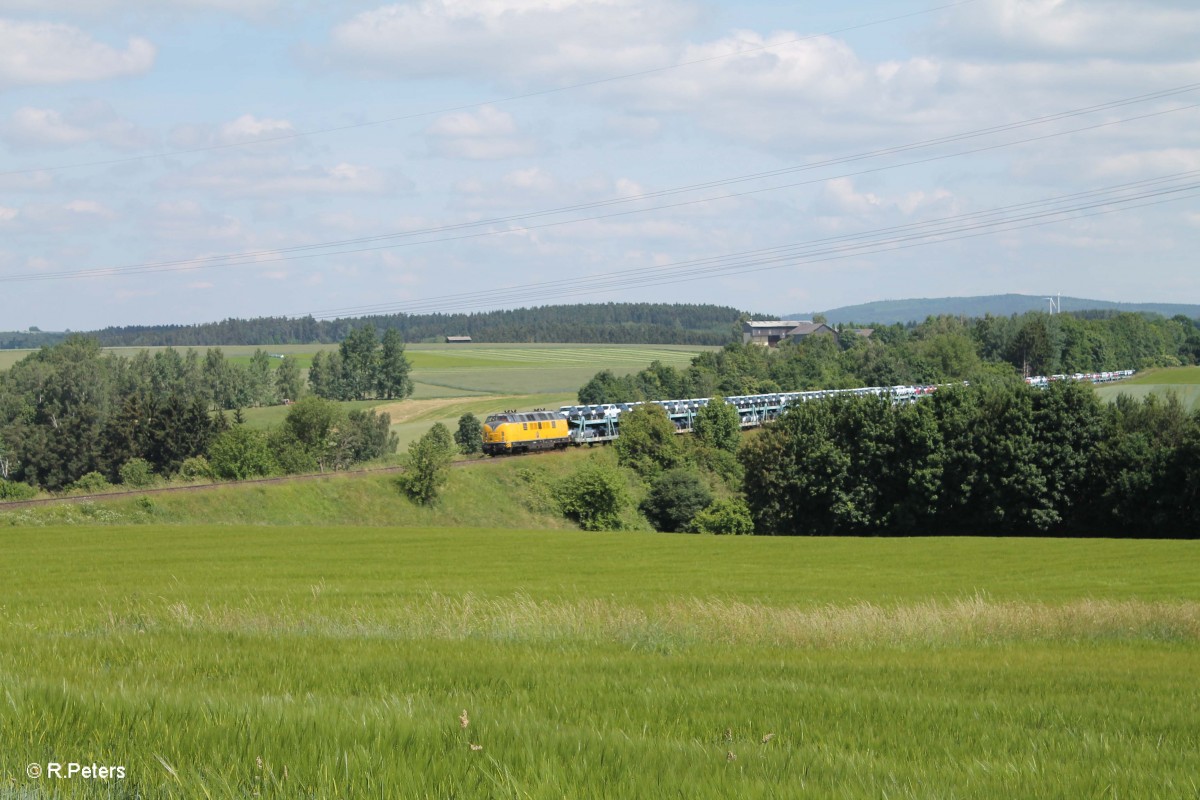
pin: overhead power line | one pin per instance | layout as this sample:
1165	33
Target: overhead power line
496	101
1096	202
463	230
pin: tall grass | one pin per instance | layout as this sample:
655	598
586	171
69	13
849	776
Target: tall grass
285	662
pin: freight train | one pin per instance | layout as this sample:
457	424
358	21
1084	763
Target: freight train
521	432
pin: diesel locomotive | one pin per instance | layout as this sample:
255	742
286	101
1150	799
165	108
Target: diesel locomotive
524	431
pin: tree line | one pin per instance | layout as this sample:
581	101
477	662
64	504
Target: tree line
938	350
70	413
600	323
995	459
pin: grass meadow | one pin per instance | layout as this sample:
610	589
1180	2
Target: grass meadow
1184	382
244	661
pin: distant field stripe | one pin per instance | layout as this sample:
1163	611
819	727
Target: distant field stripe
1177	376
586	356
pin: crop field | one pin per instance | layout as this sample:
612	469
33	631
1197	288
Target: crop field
511	369
1173	376
1183	382
213	661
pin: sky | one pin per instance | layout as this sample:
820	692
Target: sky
184	161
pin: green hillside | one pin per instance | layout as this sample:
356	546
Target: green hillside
512	493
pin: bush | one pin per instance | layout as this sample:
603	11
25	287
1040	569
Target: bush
648	443
15	490
313	422
675	498
90	484
137	473
290	453
428	465
724	516
721	463
718	425
195	468
366	436
240	453
593	496
469	435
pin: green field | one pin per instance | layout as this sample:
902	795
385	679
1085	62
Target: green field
336	662
1184	382
457	370
1172	376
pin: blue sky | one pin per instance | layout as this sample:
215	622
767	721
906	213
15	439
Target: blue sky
144	144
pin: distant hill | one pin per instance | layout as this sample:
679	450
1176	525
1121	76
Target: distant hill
887	312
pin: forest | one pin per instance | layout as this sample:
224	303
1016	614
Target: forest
997	459
74	417
592	323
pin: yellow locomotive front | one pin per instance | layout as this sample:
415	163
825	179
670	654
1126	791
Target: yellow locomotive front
519	432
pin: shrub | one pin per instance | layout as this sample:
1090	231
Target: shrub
137	473
195	468
313	422
366	436
469	435
676	496
593	496
15	490
724	516
718	425
428	465
648	443
90	484
241	453
290	453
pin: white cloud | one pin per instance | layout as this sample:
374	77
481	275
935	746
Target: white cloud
64	218
244	8
248	128
1009	30
534	179
840	205
7	214
486	134
35	53
189	221
275	176
840	197
89	207
629	126
557	39
45	128
37	180
1162	162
